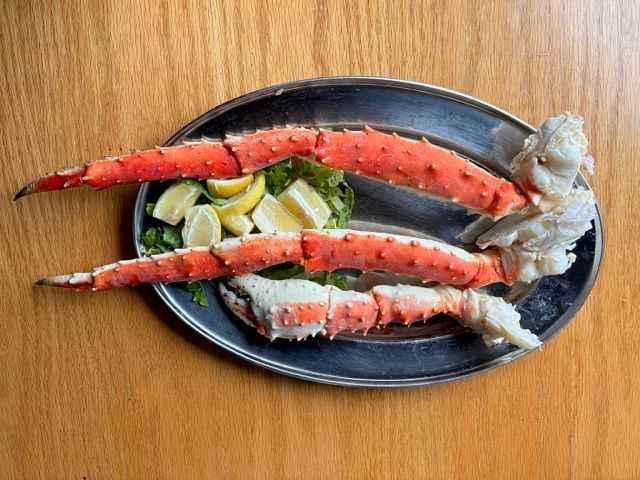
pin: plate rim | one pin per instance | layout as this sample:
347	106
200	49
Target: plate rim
344	381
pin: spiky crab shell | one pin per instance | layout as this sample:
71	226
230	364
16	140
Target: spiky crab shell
182	265
421	165
191	160
286	308
327	250
251	253
350	311
295	308
66	178
266	147
408	304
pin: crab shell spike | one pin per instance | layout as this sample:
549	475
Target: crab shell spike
263	148
421	164
324	250
193	159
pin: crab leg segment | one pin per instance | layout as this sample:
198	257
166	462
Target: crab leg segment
266	147
234	256
286	308
254	252
295	309
182	265
349	310
419	164
408	304
327	250
193	159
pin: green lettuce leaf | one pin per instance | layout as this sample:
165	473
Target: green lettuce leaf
208	198
161	239
198	294
290	270
328	183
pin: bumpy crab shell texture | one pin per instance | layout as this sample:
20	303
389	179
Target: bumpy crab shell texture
296	309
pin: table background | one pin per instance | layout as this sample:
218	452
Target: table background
110	386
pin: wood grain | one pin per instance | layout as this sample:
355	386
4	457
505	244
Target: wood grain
109	386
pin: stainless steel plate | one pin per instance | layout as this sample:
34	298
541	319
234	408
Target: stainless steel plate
402	357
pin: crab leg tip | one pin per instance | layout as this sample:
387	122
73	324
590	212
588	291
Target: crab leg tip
77	281
26	190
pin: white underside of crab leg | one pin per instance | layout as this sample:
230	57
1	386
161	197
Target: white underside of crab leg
300	308
285	308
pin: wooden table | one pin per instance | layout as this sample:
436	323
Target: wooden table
110	386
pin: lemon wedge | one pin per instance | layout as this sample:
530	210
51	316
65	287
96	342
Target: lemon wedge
228	188
306	204
201	227
244	201
271	216
174	202
237	224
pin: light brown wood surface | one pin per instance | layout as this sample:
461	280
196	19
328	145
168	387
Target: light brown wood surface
109	386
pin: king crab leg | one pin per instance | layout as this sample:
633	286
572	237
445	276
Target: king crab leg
548	163
324	250
297	309
513	256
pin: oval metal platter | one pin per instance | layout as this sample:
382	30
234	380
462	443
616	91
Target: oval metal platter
404	356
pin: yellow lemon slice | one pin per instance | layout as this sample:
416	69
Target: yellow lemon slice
201	227
243	202
174	202
237	224
228	188
305	203
271	216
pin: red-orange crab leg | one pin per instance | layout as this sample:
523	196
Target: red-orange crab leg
402	161
266	147
431	261
193	160
320	250
421	165
230	257
297	309
203	159
179	266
